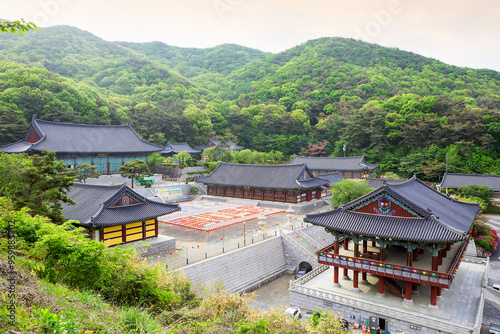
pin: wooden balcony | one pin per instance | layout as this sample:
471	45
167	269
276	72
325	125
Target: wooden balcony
395	265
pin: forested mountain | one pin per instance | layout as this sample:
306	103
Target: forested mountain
403	111
191	62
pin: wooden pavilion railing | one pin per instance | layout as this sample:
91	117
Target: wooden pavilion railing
382	268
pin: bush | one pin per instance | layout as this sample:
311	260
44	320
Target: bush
193	190
451	192
494	209
488	246
479	191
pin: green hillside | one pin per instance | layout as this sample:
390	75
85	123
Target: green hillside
190	62
403	111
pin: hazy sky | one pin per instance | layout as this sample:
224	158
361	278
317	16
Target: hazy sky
458	32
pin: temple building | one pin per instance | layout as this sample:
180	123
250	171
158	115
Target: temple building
278	183
455	181
106	146
407	235
215	142
174	148
349	167
115	214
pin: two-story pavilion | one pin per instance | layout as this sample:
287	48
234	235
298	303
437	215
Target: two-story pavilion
349	167
417	236
115	214
278	183
106	146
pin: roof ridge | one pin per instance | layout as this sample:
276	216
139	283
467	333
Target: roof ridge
464	174
366	213
446	226
77	124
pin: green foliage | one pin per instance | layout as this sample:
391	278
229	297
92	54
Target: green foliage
488	246
401	110
134	169
17	27
193	190
36	182
62	323
85	171
348	190
476	191
64	254
474	199
155	159
493	209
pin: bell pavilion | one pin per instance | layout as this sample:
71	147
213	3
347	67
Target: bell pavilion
406	234
106	146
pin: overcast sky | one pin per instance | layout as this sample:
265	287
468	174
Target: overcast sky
458	32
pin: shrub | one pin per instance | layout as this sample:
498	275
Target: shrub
487	246
451	192
474	190
193	190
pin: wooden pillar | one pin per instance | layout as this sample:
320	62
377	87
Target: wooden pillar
414	286
438	292
444	252
156	227
346	243
448	246
415	254
434	295
335	268
124	233
101	234
434	261
408	291
440	257
365	249
355	280
409	258
421	251
381	285
382	252
374	244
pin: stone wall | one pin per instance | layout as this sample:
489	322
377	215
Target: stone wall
243	269
157	248
294	255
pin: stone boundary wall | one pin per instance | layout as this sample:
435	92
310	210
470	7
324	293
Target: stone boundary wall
243	269
156	249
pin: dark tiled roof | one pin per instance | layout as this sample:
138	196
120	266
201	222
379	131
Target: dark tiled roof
262	176
331	177
93	206
216	142
179	147
376	182
413	229
452	180
17	147
78	138
430	205
334	163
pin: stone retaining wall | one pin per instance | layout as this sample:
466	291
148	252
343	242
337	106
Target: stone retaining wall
242	269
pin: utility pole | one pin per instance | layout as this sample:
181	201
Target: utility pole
344	149
446	162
